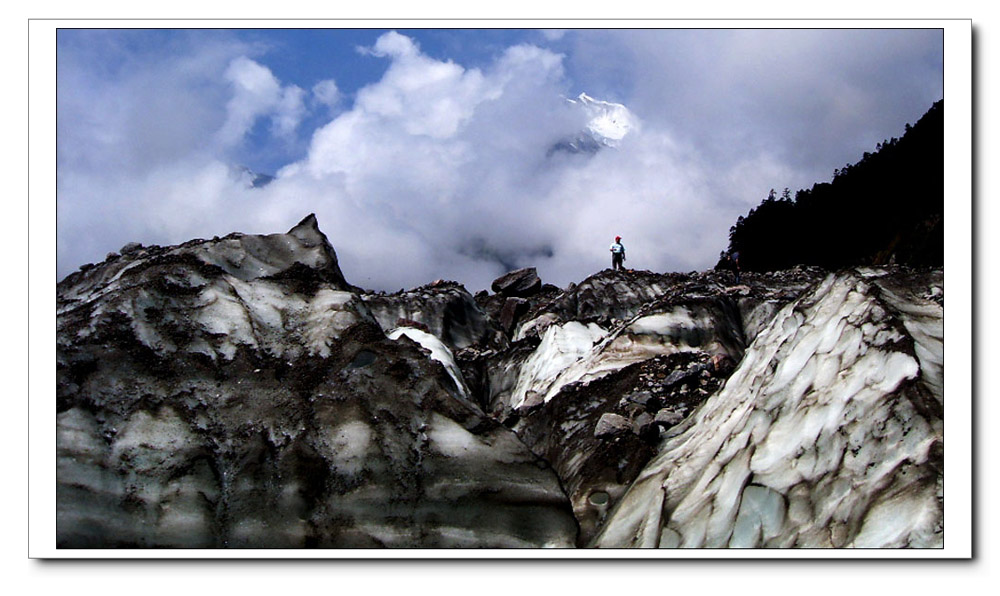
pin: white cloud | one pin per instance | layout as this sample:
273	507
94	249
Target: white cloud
146	140
454	164
327	93
256	94
815	99
394	45
441	171
288	112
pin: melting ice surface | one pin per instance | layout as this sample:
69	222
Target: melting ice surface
179	367
833	446
561	346
438	351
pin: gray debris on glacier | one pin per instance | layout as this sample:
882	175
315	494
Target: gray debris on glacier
209	396
238	392
828	434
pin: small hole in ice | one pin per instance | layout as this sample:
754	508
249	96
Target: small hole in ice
599	497
362	359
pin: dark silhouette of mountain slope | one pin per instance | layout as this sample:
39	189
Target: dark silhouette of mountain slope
886	208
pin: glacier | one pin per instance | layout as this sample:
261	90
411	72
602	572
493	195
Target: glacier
238	392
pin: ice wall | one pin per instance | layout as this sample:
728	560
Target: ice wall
826	435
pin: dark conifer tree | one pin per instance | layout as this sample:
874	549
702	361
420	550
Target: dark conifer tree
887	207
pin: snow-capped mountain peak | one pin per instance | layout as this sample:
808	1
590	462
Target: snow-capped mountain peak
609	122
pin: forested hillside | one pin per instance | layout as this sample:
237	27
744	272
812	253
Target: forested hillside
886	208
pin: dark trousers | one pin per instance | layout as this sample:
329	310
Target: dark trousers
616	260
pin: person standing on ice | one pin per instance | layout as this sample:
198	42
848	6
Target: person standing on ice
617	254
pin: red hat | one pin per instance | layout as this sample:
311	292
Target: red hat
618	238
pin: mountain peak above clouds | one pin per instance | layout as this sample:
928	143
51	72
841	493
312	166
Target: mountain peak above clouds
607	124
249	178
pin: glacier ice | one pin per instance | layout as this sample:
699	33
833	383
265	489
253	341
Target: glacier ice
799	482
238	392
438	351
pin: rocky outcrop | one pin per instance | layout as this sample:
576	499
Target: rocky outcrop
239	392
574	393
444	309
519	283
211	396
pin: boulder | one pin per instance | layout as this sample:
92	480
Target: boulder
130	248
646	427
667	417
611	425
513	309
520	282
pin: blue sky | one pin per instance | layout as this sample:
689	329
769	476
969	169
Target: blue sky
301	57
425	152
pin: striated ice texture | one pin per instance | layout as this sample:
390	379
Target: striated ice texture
828	434
238	392
574	353
544	372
